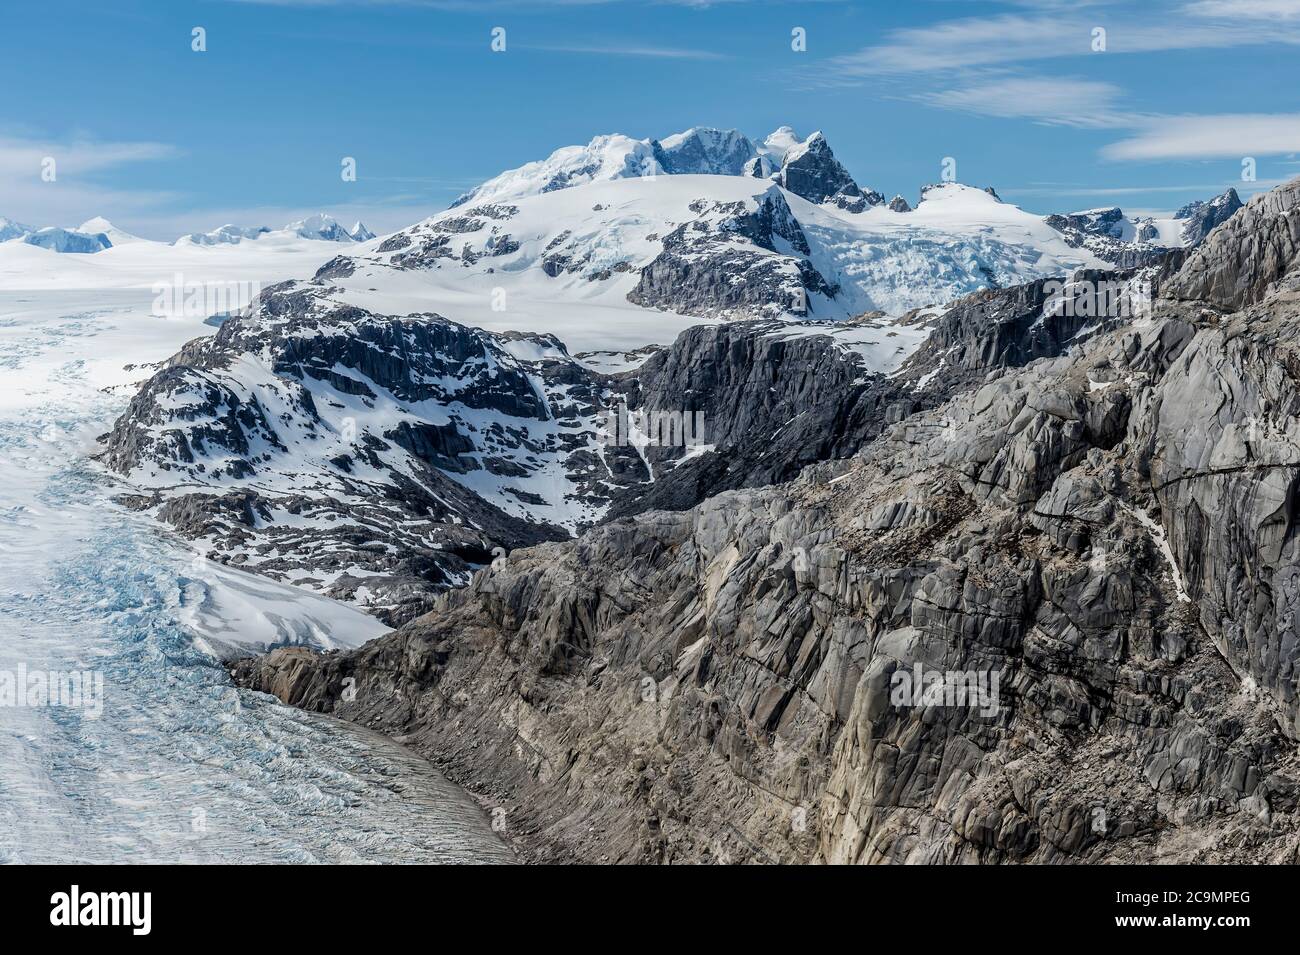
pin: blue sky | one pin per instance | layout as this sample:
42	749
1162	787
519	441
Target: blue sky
164	140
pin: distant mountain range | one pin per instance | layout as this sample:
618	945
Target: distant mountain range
97	234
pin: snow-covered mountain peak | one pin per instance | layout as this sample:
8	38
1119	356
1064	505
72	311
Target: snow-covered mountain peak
1141	239
1200	218
805	167
320	226
604	158
777	143
602	263
959	192
99	225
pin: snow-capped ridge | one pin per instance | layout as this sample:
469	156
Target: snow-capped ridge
959	191
607	157
812	169
228	234
68	240
704	150
1129	241
320	226
99	225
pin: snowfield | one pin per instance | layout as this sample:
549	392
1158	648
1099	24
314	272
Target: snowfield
502	275
958	240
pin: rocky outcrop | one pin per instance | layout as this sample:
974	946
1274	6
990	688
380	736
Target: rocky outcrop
811	170
1008	328
1239	263
1200	218
1103	233
777	399
969	644
777	402
735	259
702	150
1048	620
772	402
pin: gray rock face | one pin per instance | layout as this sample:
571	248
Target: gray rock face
1109	235
1007	328
1049	620
772	402
704	151
777	402
734	261
1202	217
1101	233
968	644
1045	621
1240	261
899	204
811	170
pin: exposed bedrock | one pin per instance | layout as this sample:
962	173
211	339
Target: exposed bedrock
1050	620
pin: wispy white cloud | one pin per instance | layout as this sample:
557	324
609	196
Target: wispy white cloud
618	49
981	65
1020	38
1210	137
23	157
1057	100
974	41
1245	9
